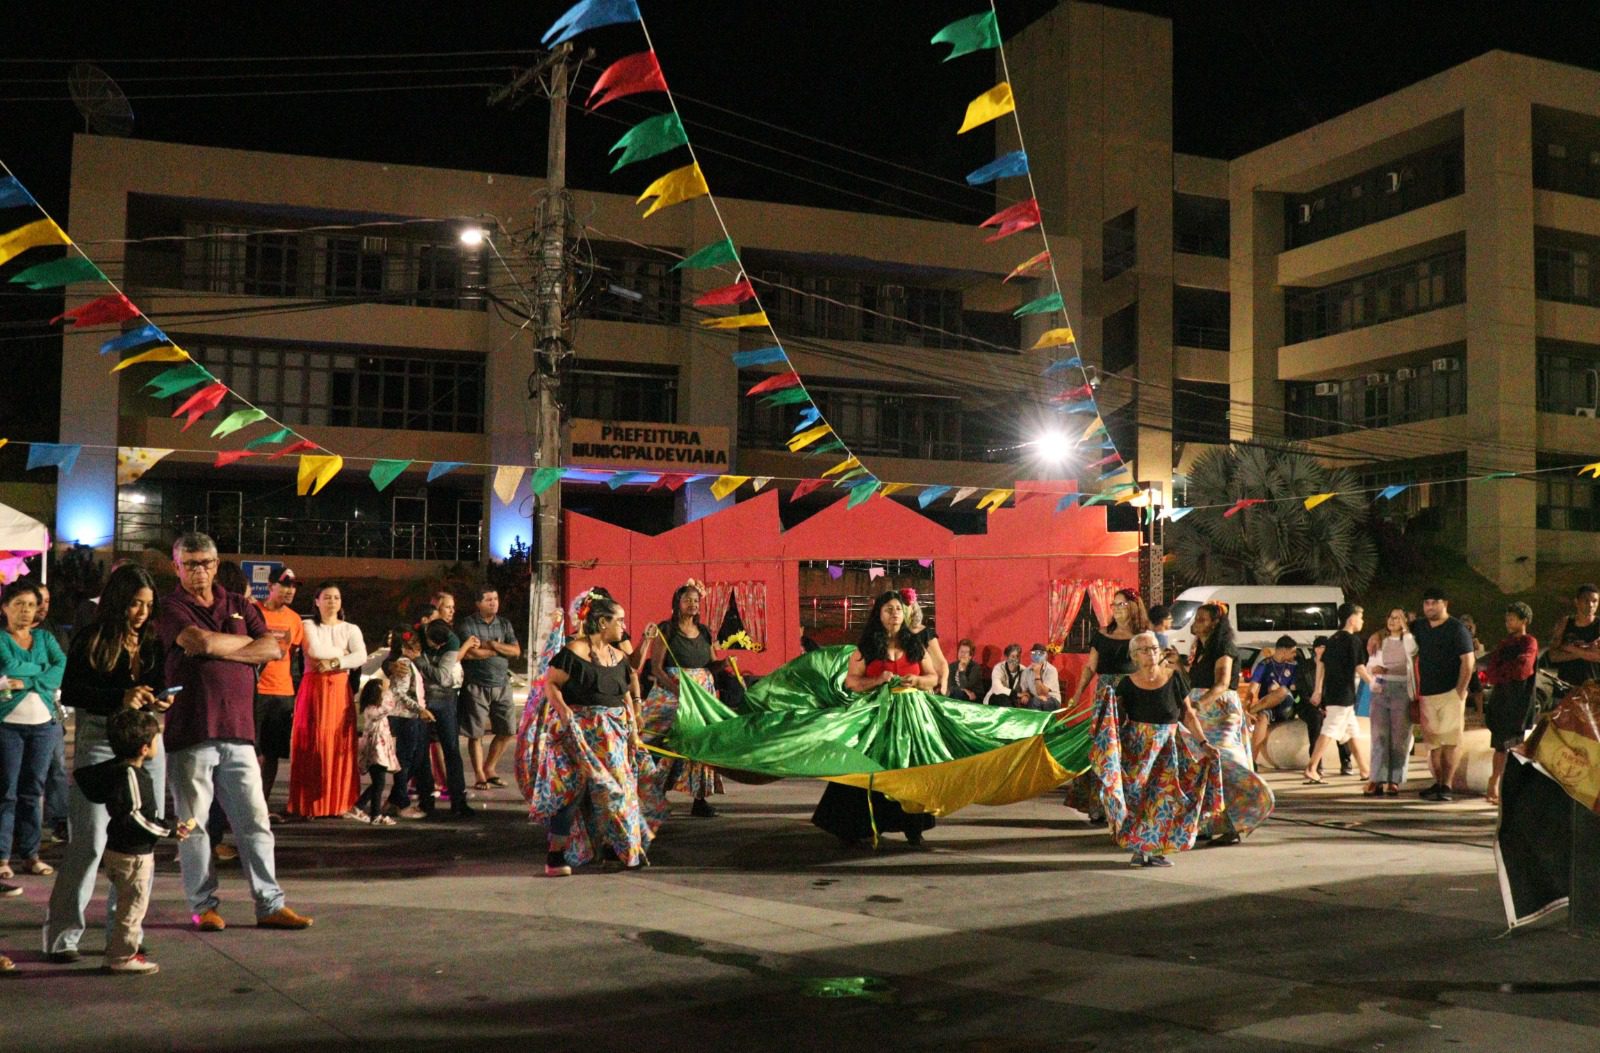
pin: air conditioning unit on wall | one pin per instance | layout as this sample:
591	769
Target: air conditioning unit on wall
1446	365
1327	389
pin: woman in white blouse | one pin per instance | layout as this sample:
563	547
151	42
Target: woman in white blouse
323	779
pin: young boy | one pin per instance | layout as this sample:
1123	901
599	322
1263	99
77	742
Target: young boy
124	787
1274	677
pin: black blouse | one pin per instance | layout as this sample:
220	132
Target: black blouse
85	687
686	652
591	684
1203	668
1151	705
1113	655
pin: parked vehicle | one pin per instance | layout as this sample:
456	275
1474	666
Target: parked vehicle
1261	613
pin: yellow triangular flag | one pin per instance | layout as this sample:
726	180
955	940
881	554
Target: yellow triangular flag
1316	499
1591	469
996	102
1054	338
31	236
677	186
4	441
1097	422
507	477
993	499
737	321
134	461
843	466
727	484
315	472
807	437
892	488
1130	497
164	353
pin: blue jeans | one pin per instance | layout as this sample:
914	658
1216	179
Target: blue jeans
411	750
74	887
1391	732
446	720
55	783
25	752
229	771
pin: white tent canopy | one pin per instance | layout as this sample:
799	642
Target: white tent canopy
20	534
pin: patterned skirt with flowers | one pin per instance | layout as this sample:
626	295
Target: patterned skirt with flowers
1083	792
660	709
1160	786
1248	798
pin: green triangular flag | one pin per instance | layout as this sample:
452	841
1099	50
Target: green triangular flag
786	397
59	272
712	255
281	435
860	492
236	420
978	33
1043	305
385	472
1500	475
831	446
178	378
543	479
649	138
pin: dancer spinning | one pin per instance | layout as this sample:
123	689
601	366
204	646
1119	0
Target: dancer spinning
1109	661
689	650
1215	701
889	653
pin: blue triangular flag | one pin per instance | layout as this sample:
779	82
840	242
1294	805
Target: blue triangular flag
145	334
591	14
1084	406
1067	501
12	194
1066	363
808	416
764	356
930	495
1394	491
1013	164
62	455
1176	514
443	468
621	479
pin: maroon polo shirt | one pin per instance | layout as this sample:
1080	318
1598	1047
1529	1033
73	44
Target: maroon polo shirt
218	697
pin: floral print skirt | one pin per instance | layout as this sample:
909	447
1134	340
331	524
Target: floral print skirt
1159	785
1247	797
1083	792
660	709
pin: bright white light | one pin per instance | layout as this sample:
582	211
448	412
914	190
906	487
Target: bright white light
1053	446
473	236
137	499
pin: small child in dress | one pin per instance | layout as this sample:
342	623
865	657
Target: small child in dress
125	788
375	752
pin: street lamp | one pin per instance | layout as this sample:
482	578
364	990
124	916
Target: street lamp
473	236
1052	446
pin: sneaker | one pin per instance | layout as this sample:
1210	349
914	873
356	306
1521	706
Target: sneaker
9	890
284	918
225	852
68	956
1444	795
701	809
138	965
555	865
1137	860
1159	862
1431	793
209	921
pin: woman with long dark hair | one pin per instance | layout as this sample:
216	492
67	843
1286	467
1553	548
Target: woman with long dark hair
113	663
688	651
323	779
1214	696
889	653
1109	661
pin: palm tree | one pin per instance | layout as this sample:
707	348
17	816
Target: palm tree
1279	542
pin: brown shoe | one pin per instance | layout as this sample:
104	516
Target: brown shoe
225	852
283	918
209	921
412	812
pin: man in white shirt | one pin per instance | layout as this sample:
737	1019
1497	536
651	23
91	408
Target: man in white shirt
1005	683
1041	685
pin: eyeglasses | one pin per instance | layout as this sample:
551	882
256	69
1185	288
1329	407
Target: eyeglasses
1145	650
193	565
1119	603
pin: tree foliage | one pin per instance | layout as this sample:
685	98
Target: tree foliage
1280	542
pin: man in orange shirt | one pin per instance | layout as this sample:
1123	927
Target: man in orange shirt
275	686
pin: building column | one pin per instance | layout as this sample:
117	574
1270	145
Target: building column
1255	313
1501	325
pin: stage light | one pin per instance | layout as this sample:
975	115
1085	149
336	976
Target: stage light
473	236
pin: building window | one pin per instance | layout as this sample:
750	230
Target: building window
1435	497
352	266
1119	244
1200	318
1398	292
351	388
1433	385
1390	189
1563	267
635	288
1568	378
1200	412
1200	225
1119	339
1566	152
1566	501
271	265
917	425
612	391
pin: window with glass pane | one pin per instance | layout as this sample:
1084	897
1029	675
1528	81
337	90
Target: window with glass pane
1396	292
271	265
1119	339
1200	225
622	391
1119	248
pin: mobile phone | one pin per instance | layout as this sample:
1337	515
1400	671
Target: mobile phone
171	692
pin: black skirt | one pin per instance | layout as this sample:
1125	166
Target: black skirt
843	813
1507	713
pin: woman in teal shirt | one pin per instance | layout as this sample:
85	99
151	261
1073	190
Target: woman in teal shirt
31	666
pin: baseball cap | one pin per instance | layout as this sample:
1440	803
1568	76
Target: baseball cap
283	576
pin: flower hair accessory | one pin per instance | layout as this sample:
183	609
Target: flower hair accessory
908	595
697	586
580	607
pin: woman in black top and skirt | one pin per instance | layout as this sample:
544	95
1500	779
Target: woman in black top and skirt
1108	663
687	651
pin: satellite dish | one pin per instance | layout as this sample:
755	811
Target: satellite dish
105	109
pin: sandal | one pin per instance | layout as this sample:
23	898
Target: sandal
38	866
1391	790
482	784
1372	789
6	872
497	782
384	820
358	815
1309	781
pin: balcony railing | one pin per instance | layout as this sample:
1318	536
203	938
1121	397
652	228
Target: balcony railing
285	536
1212	337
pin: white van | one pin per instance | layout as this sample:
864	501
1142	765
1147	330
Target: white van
1261	613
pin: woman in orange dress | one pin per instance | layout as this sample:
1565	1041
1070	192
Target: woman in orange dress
323	779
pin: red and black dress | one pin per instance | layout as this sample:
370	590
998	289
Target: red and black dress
843	810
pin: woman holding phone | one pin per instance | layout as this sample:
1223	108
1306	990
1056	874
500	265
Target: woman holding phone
113	663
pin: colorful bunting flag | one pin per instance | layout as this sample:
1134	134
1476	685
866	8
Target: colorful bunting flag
104	311
590	14
993	499
299	446
236	420
543	479
1021	216
967	35
786	397
1500	475
60	272
227	457
61	455
727	484
761	356
163	353
384	472
620	479
931	494
996	102
674	188
1043	305
851	477
875	572
649	138
805	438
1003	167
1107	459
145	334
200	403
1591	469
776	382
178	379
1316	499
35	235
962	494
1067	501
1054	338
861	491
738	292
737	321
316	471
1241	504
1027	268
835	571
845	465
1083	391
440	468
758	482
13	194
270	439
1086	406
627	76
716	254
507	477
1175	514
1066	363
803	487
1389	493
893	488
808	416
670	481
830	446
134	461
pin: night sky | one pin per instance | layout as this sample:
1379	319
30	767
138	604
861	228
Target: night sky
839	80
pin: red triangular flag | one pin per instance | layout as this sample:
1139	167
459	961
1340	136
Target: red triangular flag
775	383
670	481
738	292
227	457
294	447
1020	216
104	311
805	487
1241	504
1072	394
628	76
201	402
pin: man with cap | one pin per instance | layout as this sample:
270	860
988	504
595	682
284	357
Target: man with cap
1041	685
275	687
1445	661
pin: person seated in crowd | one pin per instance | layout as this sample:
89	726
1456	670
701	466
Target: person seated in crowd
1041	685
1275	678
1005	683
966	676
